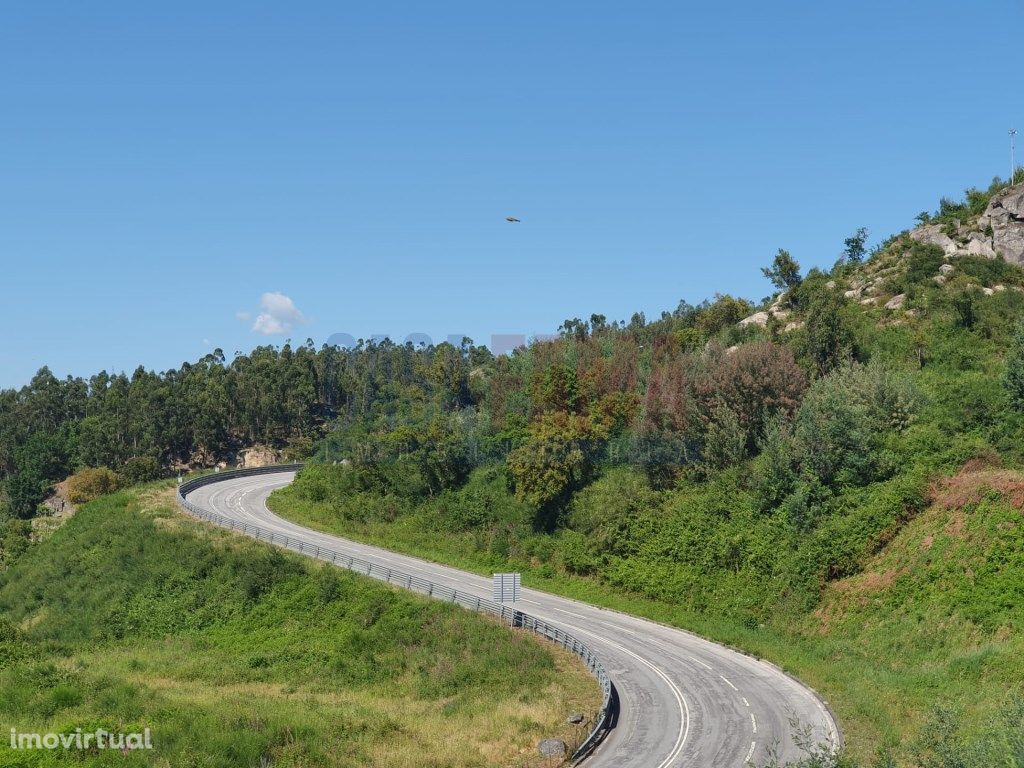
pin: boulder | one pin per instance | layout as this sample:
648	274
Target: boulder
552	748
896	301
758	318
980	245
854	294
575	718
946	269
932	234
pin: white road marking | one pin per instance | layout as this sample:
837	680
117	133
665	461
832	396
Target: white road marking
706	666
745	702
750	752
753	722
729	682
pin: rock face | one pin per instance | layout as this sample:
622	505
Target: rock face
1005	215
257	456
998	231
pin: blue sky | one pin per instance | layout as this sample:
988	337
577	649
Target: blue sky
166	167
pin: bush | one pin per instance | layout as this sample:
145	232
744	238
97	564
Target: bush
845	417
88	484
755	383
140	469
614	513
923	262
1014	378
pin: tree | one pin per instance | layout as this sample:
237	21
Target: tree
552	463
1014	378
749	387
784	272
829	340
856	246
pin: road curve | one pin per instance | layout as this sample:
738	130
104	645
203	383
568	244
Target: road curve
684	701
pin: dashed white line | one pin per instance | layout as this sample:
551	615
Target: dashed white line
745	702
706	666
753	722
729	682
750	752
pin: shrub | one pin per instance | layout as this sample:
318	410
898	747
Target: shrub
88	484
725	443
614	512
923	262
846	415
754	383
1014	378
140	469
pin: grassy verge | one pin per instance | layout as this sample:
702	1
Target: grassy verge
235	654
929	620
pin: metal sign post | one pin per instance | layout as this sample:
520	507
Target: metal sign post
506	590
506	587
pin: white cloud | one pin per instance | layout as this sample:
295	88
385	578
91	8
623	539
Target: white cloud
279	315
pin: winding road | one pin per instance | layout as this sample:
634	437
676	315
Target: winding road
684	701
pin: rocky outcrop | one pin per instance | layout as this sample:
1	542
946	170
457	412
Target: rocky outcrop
761	318
1004	217
257	456
934	234
999	231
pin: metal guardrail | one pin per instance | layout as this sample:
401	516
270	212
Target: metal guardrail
609	703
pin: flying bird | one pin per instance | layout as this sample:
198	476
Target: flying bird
513	219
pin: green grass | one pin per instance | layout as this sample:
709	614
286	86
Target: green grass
236	654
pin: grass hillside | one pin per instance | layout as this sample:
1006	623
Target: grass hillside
235	654
828	479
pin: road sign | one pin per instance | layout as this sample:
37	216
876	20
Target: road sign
506	587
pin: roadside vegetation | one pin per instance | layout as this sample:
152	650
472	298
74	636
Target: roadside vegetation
828	477
233	653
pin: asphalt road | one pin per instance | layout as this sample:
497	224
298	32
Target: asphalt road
685	701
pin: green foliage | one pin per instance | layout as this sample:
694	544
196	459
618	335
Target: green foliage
40	459
615	513
551	464
140	469
91	483
784	272
922	265
829	338
725	443
855	246
1014	377
235	653
845	420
